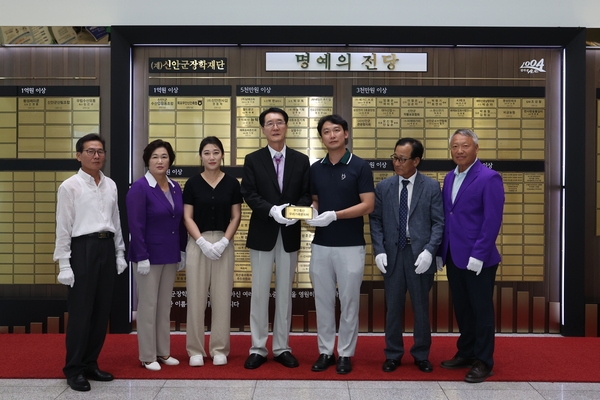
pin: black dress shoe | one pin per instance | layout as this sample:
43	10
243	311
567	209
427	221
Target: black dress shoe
79	383
97	375
323	362
458	362
479	373
344	365
390	365
254	361
424	365
287	359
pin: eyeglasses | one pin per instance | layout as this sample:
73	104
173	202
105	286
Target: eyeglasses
92	152
401	160
272	124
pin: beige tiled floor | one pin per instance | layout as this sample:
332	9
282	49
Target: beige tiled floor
33	389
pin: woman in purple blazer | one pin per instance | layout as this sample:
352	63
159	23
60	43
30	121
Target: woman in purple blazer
157	250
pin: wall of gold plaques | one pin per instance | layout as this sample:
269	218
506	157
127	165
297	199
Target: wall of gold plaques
511	122
513	112
186	114
49	97
27	226
43	122
37	123
509	128
304	105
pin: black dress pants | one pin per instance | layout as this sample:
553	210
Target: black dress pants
93	261
472	298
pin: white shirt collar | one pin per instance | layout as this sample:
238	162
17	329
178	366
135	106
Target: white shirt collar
411	179
274	152
457	173
87	177
152	182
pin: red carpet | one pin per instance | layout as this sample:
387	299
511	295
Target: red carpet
529	358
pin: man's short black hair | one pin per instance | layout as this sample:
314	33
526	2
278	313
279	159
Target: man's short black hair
417	146
334	119
261	117
90	137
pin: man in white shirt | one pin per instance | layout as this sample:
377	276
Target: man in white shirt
89	249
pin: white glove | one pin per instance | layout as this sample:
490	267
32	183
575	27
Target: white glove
439	263
276	213
323	219
220	246
291	222
65	275
143	267
381	262
207	249
121	263
315	212
181	265
423	262
475	265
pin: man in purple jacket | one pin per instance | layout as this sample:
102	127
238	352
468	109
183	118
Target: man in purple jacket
473	198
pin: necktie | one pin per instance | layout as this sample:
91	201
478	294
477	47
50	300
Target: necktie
403	214
279	170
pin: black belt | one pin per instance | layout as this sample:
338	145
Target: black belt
100	235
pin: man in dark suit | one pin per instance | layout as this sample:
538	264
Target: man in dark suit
473	205
404	245
273	178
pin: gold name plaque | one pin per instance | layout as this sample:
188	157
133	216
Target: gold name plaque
295	212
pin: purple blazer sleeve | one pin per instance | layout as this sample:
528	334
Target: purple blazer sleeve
484	247
136	219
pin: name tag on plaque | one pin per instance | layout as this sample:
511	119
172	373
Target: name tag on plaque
295	212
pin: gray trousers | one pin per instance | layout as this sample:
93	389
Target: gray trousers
154	310
262	272
345	267
401	277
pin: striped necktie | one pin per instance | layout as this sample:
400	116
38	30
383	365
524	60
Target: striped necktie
278	157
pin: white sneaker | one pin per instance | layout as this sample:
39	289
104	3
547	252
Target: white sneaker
153	366
220	359
196	361
168	361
